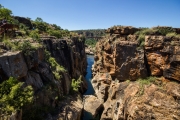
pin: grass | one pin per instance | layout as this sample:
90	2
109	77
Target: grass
173	34
165	31
143	82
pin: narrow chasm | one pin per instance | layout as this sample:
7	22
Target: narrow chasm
88	77
90	90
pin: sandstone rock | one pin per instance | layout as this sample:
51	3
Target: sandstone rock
126	103
70	109
101	83
121	59
13	64
163	56
123	30
92	105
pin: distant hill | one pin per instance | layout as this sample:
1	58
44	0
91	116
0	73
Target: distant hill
91	32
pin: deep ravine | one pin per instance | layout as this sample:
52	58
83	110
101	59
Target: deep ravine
88	77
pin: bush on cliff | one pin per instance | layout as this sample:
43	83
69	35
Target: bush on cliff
13	96
55	67
75	84
165	31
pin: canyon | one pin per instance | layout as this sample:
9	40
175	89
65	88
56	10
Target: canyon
136	77
132	78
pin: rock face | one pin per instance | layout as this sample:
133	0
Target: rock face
25	21
119	63
33	69
92	105
124	102
118	55
163	56
13	64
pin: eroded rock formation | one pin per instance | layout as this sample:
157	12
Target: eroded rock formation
120	62
32	68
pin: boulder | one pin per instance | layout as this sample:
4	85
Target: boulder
13	64
101	83
92	105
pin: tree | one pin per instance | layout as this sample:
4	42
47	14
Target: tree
1	6
38	19
5	13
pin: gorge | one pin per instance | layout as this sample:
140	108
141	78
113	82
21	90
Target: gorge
135	75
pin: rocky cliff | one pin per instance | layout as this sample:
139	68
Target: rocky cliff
136	74
49	67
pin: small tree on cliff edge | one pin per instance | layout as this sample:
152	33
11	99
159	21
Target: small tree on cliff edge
5	13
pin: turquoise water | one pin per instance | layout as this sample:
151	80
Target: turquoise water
90	61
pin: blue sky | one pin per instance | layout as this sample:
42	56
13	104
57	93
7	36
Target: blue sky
93	14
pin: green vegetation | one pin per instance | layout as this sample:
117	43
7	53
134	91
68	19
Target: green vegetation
173	34
75	84
165	31
91	32
13	96
143	82
91	42
55	67
40	27
26	47
7	14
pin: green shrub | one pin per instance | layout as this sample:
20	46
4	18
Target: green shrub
13	96
10	45
163	30
143	82
34	34
56	33
75	84
141	36
173	34
56	68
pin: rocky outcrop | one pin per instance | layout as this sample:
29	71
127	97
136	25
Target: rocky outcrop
126	102
92	105
25	21
33	68
119	56
69	109
121	70
163	56
89	50
13	64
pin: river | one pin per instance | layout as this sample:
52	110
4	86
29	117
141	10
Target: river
90	61
90	90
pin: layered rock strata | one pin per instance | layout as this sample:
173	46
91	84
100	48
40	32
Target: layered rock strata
34	69
119	65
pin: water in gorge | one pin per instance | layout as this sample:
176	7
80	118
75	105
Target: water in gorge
90	90
90	61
